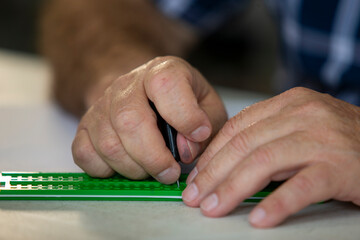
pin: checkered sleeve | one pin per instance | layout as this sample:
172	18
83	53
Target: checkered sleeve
320	39
321	45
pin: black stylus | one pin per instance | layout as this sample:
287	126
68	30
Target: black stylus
169	134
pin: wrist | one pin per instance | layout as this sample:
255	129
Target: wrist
110	71
97	89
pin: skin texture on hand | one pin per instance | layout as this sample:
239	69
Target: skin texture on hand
119	132
310	139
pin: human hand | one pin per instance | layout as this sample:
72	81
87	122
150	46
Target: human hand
119	132
309	138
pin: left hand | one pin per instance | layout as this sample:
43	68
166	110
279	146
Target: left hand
309	138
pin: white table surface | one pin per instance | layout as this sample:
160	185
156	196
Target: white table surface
35	135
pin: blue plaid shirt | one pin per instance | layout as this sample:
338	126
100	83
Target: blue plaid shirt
320	38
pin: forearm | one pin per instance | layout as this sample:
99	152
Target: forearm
89	43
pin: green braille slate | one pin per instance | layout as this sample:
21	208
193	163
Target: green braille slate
80	186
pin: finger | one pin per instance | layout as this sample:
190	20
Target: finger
255	172
311	185
108	146
188	149
238	148
215	109
86	157
246	118
232	154
170	86
136	126
233	126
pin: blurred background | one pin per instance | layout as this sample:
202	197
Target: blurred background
243	54
18	24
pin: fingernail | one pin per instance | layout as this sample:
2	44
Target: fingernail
167	174
201	133
194	148
188	150
210	203
190	193
257	215
192	175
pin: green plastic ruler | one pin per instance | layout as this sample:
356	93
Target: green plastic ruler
80	186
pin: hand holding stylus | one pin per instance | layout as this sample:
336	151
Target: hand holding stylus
119	133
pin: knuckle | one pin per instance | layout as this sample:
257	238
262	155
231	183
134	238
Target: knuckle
205	158
164	71
208	175
263	156
158	60
325	176
295	93
312	107
82	153
230	127
231	186
240	143
315	105
155	163
304	184
110	147
161	82
278	205
128	119
167	60
298	91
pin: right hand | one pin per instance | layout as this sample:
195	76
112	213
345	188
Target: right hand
119	131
